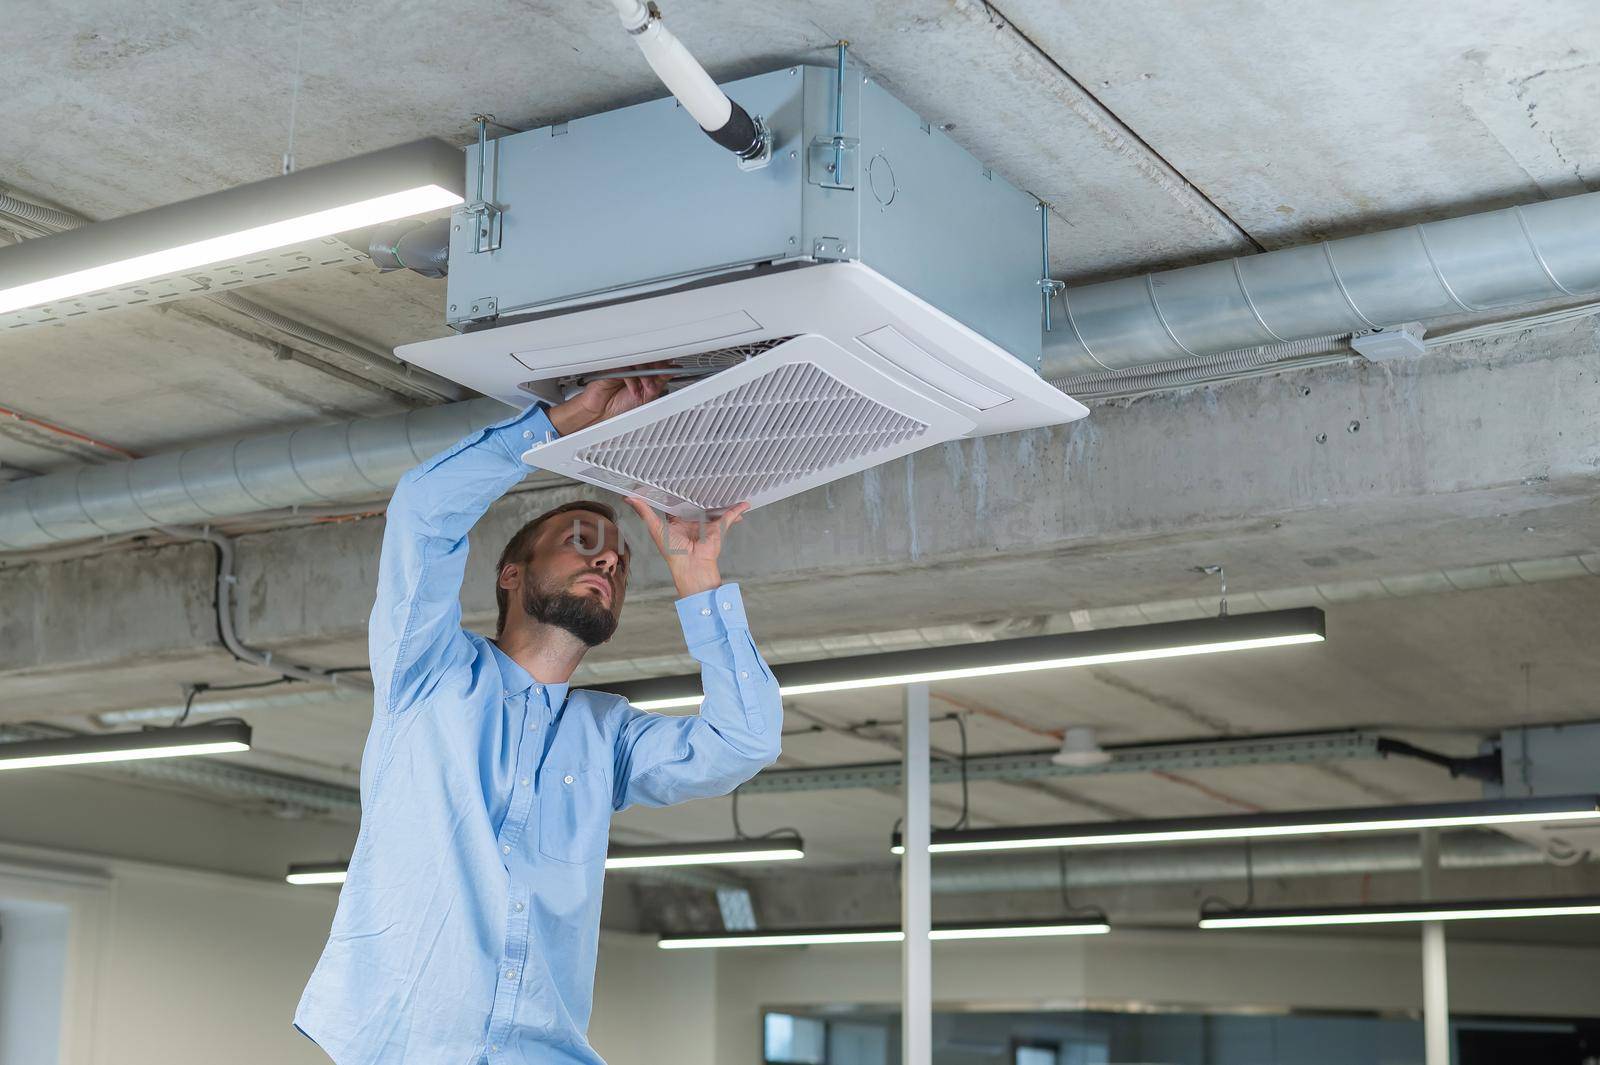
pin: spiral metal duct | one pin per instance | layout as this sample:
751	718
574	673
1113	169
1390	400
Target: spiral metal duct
1119	867
1478	262
320	464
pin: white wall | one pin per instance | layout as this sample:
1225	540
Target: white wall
653	1007
175	967
170	966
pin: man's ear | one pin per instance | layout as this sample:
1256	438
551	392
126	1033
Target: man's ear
510	574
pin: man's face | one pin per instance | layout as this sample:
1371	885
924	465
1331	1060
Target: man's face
576	577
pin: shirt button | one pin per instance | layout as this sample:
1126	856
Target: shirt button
539	689
567	779
527	434
494	1046
706	611
727	606
517	907
523	781
511	974
505	848
744	673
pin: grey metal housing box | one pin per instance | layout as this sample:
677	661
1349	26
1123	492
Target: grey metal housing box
639	199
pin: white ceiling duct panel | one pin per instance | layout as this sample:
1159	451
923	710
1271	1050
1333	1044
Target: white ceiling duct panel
864	290
834	369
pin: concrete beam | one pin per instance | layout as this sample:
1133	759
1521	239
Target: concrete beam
1467	455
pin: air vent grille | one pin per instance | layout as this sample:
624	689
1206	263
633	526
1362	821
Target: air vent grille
794	422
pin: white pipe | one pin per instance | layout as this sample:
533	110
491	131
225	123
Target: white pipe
685	78
916	909
1435	986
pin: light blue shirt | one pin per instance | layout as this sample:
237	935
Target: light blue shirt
467	929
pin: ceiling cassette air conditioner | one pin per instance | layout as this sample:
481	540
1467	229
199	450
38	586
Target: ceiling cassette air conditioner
784	381
865	289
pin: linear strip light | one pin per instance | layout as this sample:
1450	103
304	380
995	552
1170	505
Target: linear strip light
317	873
218	738
1268	825
1098	647
808	937
408	179
1407	912
714	852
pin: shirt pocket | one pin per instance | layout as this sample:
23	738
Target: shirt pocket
575	814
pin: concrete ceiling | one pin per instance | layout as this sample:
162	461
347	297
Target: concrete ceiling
1164	133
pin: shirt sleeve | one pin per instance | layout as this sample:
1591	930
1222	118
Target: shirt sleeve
664	759
415	629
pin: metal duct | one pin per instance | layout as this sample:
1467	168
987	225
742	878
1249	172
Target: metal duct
1221	864
321	464
1495	259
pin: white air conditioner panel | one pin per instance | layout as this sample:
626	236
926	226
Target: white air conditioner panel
581	355
802	414
852	324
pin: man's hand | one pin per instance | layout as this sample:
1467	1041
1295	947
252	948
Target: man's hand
690	547
608	398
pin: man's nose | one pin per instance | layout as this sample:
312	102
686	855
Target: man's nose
605	558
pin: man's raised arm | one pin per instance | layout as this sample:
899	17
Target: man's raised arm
738	731
416	620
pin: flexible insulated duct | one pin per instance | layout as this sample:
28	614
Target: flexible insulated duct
325	463
1496	259
1122	867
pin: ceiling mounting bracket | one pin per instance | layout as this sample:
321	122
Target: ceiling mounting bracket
481	213
1049	288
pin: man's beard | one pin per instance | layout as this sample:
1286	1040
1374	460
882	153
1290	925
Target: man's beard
590	620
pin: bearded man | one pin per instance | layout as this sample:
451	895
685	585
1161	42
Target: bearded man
468	925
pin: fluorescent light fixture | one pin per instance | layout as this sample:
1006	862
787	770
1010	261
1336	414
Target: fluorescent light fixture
317	873
408	179
1098	647
219	738
808	937
715	852
1406	912
1268	825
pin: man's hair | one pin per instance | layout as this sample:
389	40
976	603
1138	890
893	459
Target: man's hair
520	547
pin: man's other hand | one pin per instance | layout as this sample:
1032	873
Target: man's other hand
690	547
607	398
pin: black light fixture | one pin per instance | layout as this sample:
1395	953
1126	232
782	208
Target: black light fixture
221	737
711	852
233	224
305	873
1134	643
805	937
1404	912
1539	810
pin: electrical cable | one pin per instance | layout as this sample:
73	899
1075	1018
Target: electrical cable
193	690
1066	896
1249	885
738	829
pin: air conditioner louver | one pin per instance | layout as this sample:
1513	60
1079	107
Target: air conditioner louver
754	440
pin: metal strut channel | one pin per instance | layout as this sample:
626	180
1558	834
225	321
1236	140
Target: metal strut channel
1036	765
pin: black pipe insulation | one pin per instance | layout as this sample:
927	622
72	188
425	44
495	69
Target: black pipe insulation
740	134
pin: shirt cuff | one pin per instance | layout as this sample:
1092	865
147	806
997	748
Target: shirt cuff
530	429
708	616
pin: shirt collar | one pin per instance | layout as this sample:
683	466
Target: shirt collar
514	680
